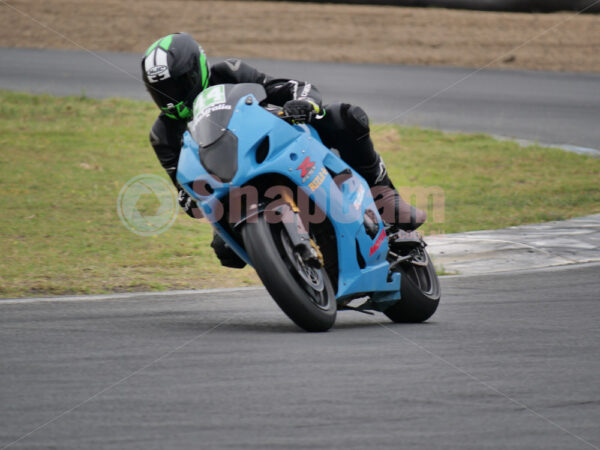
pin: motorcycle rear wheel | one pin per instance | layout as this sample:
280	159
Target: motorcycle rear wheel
420	294
304	294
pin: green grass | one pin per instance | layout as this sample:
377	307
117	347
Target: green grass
490	184
64	160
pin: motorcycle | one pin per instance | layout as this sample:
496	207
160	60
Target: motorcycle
296	212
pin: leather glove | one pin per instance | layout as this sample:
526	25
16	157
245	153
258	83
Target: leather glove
300	111
186	202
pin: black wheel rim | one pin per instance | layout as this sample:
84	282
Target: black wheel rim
423	276
309	278
420	277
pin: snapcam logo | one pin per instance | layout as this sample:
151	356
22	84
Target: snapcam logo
147	205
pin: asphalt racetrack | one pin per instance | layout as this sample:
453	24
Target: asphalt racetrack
552	108
509	361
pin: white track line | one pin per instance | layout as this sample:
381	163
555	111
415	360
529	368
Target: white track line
126	295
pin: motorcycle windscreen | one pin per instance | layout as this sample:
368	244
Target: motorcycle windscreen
214	107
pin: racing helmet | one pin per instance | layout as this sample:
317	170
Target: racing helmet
175	71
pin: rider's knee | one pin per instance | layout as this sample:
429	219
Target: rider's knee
356	120
344	118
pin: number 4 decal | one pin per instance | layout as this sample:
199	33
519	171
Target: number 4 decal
209	97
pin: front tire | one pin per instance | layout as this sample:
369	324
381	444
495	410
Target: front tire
420	289
304	294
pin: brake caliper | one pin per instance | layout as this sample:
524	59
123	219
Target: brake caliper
301	241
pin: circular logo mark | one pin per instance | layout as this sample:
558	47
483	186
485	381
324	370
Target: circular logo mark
147	205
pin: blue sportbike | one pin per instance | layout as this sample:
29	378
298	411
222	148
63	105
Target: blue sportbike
295	211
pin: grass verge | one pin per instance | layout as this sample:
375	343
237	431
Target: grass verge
64	161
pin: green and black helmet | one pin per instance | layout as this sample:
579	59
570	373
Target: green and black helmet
175	71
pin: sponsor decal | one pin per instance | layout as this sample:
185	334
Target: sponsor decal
377	243
307	168
207	111
305	90
360	195
157	70
208	98
156	66
318	180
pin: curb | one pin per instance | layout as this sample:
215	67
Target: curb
518	248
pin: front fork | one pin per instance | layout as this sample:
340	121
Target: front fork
307	248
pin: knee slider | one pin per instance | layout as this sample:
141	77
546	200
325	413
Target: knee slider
357	120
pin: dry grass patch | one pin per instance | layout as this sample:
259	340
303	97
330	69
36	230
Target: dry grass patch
323	32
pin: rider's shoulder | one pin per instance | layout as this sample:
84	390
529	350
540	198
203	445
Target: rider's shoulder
229	65
234	70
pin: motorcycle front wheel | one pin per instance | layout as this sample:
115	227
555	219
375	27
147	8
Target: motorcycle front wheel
305	294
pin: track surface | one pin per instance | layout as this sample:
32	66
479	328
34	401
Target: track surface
509	361
555	108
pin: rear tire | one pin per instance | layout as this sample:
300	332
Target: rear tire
420	289
305	295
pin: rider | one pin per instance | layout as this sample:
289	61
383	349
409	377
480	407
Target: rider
175	70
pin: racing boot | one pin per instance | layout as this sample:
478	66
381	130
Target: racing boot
392	207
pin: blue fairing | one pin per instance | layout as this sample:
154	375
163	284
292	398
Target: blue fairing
297	153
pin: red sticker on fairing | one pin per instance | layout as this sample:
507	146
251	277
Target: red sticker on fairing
306	168
377	243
